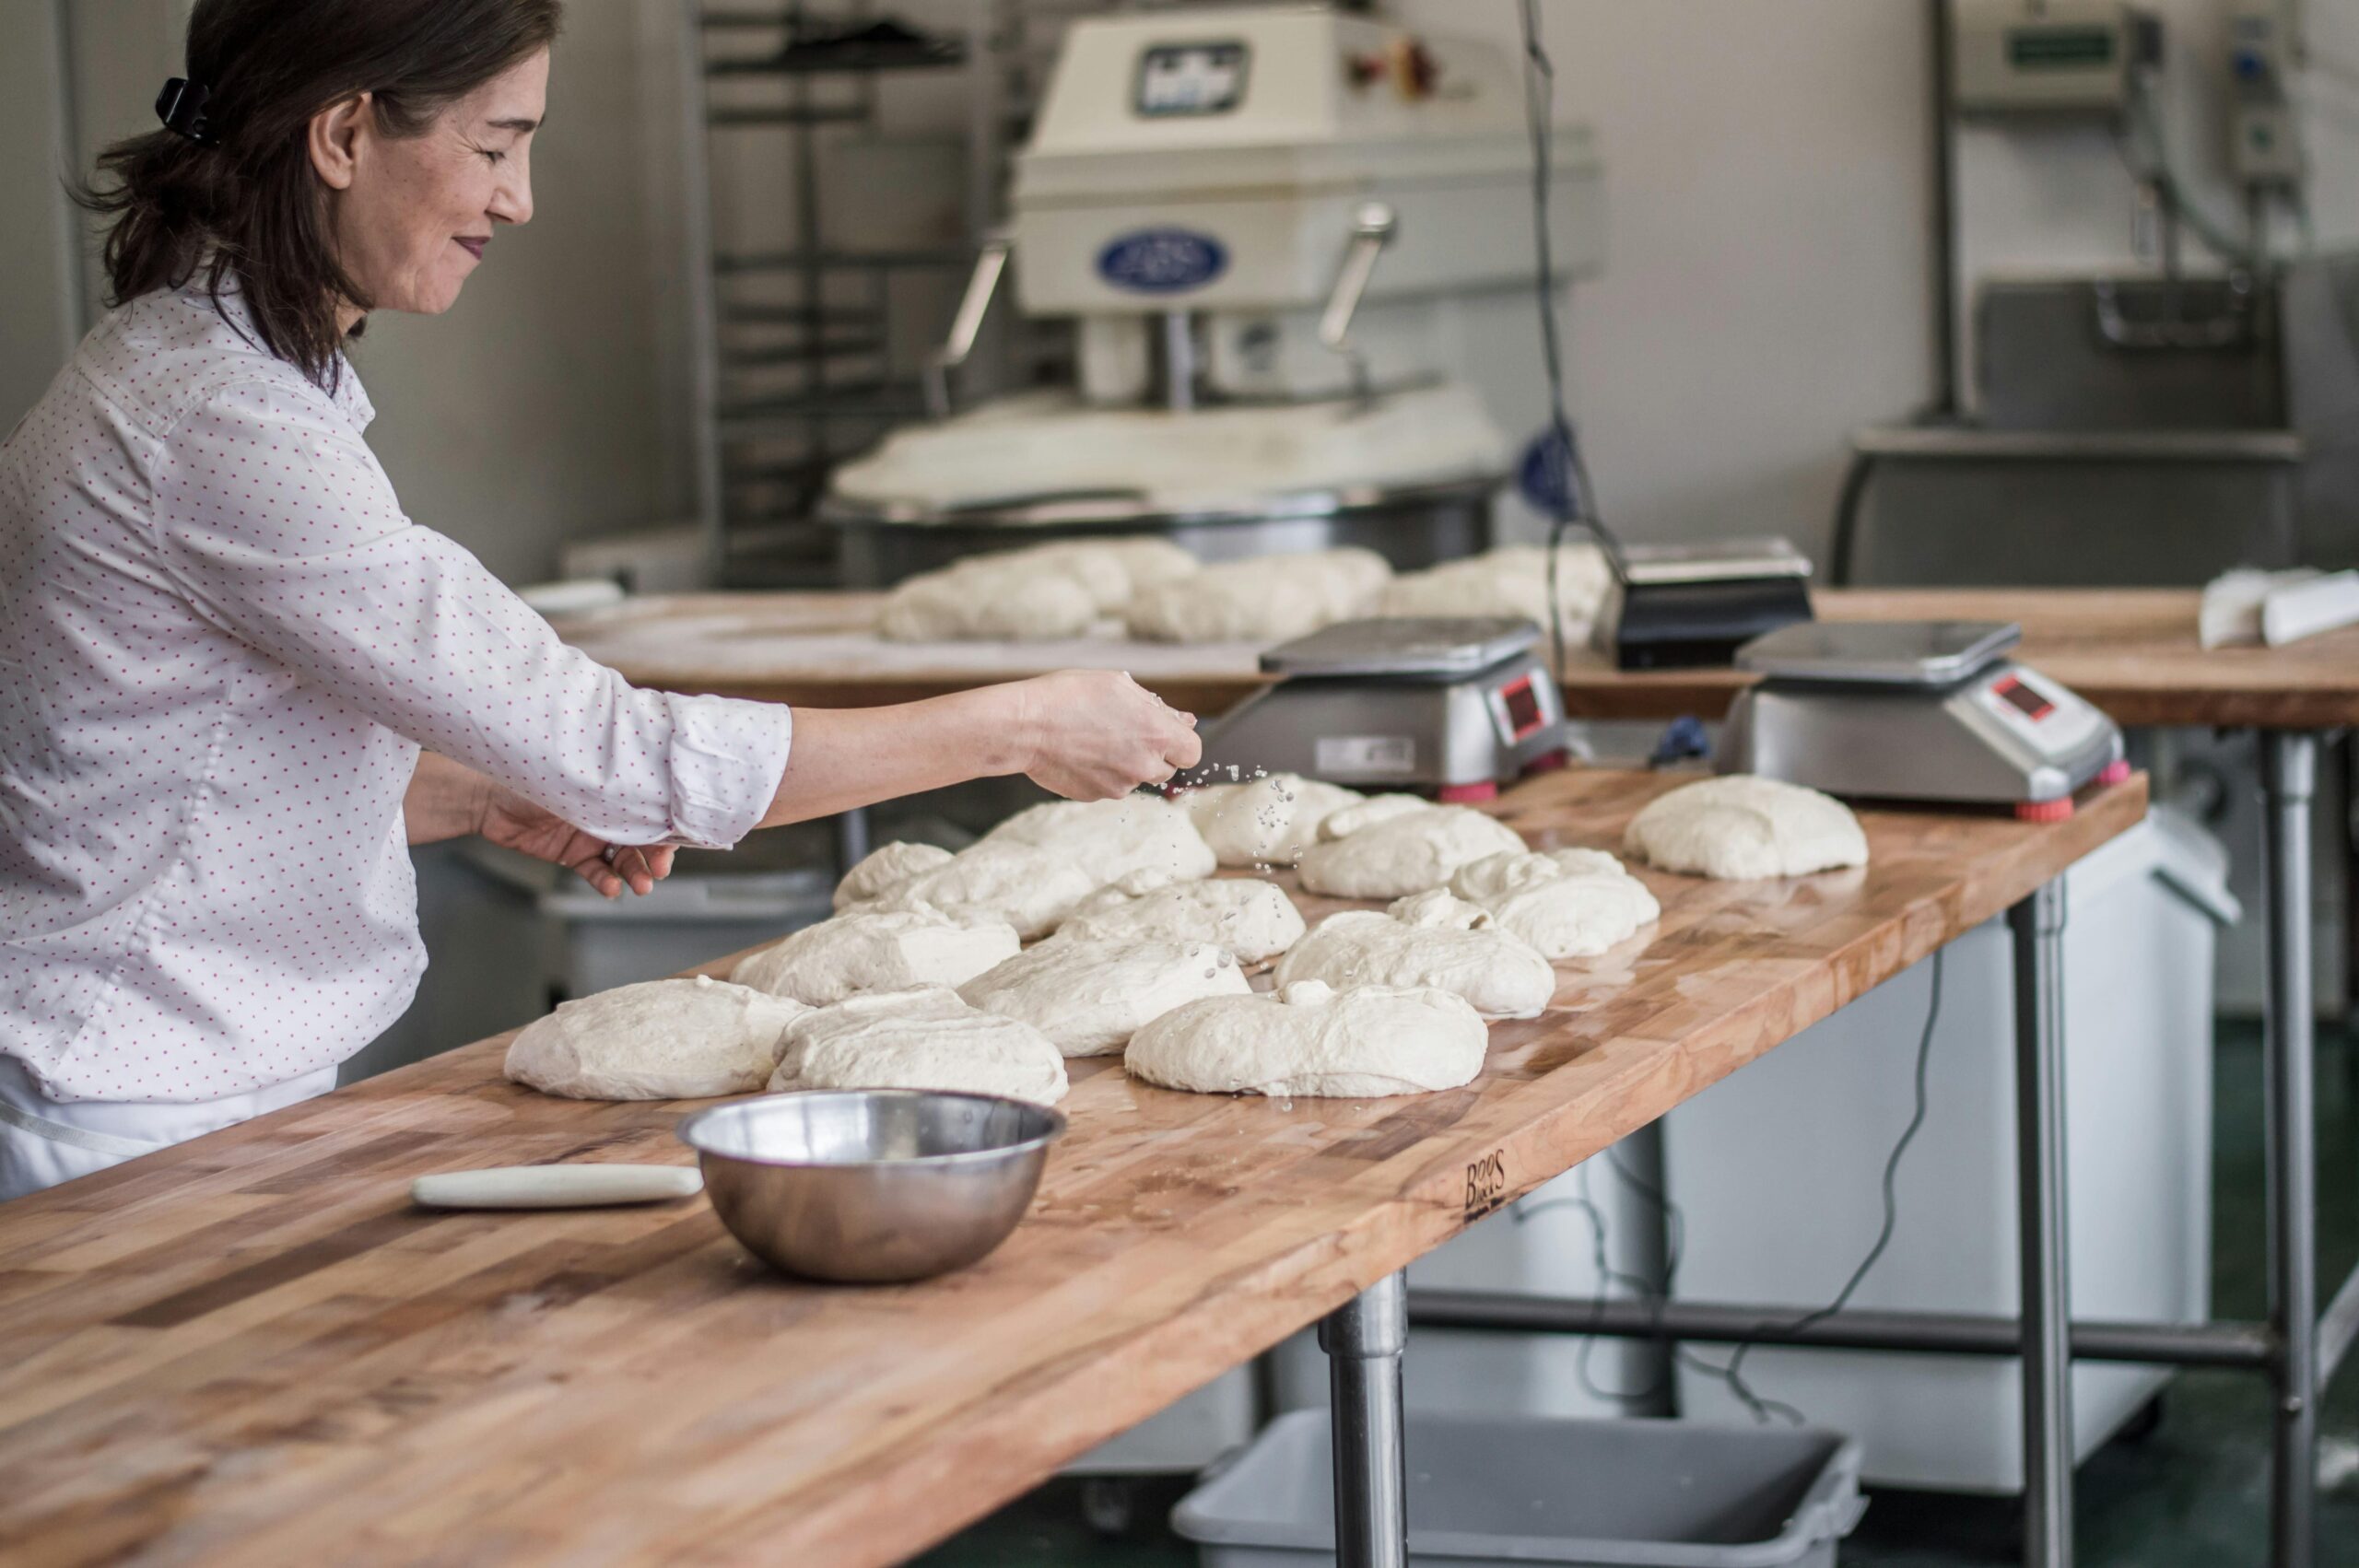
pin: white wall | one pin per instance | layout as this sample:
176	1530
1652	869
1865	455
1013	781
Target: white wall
1766	291
1767	285
41	319
1764	288
533	413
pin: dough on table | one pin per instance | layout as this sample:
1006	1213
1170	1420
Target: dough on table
876	950
1091	996
1030	888
1510	580
1115	571
1426	940
1137	836
925	1039
1268	821
659	1040
886	868
1266	599
1406	853
1253	919
1566	902
1042	594
1311	1040
988	601
1741	829
1345	820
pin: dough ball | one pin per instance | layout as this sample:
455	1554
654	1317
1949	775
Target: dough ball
1267	599
886	868
1345	820
1311	1040
1115	571
1090	996
987	600
1743	828
1136	836
1041	594
1268	821
876	949
663	1040
920	1039
1027	886
1566	903
1431	939
1251	918
1406	853
1510	581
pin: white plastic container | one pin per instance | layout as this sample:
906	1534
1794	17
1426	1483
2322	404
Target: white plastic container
1777	1170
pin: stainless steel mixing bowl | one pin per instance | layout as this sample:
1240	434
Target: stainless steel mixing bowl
871	1186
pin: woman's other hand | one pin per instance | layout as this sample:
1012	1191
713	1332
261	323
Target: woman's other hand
1095	734
515	823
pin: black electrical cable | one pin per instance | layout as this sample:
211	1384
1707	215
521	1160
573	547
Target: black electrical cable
1734	1372
1607	1276
1577	508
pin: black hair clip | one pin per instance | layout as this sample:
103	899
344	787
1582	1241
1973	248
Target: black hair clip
180	106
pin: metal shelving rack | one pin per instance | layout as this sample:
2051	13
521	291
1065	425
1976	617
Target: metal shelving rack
791	342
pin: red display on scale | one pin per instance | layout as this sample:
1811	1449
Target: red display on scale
2011	691
1522	706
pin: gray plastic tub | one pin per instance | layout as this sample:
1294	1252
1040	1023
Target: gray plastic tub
1499	1493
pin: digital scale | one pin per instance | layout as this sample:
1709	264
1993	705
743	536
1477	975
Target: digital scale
1455	706
1681	606
1916	710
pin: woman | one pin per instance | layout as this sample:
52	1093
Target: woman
236	683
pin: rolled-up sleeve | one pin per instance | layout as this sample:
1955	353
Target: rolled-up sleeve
280	527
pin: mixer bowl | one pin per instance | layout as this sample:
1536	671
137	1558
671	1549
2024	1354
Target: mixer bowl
871	1186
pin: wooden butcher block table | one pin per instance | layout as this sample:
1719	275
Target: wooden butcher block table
251	1348
2131	652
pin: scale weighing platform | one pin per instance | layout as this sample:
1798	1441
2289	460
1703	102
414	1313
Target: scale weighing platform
1916	710
1457	707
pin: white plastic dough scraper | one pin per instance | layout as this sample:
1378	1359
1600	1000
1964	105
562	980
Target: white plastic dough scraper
555	1186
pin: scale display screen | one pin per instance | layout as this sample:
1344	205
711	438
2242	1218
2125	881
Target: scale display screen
2021	698
1177	79
1522	706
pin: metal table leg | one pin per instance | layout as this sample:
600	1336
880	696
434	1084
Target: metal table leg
2038	926
2289	778
1364	1338
852	838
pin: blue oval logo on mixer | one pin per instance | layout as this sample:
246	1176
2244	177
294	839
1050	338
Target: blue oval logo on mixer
1162	261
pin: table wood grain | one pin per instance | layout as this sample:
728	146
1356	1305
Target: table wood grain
251	1350
2130	651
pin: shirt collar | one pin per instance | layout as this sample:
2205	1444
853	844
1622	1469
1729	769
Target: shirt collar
350	398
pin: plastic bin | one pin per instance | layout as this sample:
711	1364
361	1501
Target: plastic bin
1500	1491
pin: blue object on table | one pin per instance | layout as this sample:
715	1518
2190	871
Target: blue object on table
1682	740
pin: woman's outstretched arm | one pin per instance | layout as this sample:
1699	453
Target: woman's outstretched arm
1084	734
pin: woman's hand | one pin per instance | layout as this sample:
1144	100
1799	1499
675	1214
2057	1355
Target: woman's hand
448	800
1093	734
515	823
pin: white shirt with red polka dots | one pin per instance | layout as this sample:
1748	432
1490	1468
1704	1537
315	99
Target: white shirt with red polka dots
221	647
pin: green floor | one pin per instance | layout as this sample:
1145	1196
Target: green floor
2193	1492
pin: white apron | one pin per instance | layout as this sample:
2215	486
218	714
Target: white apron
45	1141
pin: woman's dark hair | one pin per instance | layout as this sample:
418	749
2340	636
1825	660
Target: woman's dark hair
245	203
